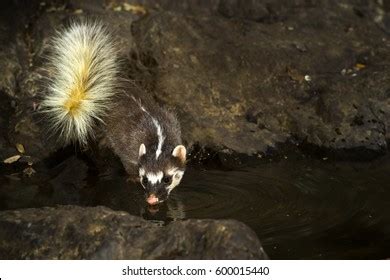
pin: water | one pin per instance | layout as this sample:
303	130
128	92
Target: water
300	209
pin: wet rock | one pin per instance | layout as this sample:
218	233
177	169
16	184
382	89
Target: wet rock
71	232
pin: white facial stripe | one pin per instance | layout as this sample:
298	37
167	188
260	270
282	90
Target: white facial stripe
172	171
155	178
179	174
175	180
141	174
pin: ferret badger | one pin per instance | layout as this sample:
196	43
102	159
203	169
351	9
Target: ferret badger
83	94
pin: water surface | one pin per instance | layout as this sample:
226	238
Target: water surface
300	209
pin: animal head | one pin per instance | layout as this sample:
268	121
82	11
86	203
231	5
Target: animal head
160	175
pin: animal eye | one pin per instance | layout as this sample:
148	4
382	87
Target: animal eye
144	180
167	180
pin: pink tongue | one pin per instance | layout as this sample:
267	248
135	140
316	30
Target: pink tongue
152	199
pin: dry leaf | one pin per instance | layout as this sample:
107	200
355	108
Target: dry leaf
12	159
135	9
360	66
20	148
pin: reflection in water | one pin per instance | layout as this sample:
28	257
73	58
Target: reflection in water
171	210
299	209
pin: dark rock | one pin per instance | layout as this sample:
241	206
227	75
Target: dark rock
246	86
72	232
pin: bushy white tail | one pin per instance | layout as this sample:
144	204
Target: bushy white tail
83	70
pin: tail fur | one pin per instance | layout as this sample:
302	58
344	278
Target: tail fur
83	70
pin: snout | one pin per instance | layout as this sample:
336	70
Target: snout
155	194
155	197
152	199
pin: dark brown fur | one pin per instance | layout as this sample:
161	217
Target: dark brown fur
128	126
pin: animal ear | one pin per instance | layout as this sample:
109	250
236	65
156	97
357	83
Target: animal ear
180	152
142	150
